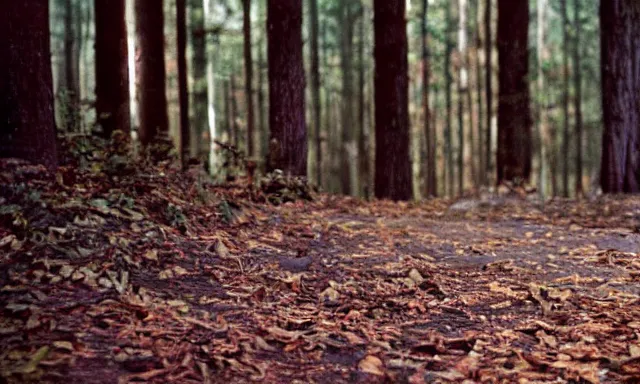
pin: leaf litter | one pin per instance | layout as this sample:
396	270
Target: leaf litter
161	276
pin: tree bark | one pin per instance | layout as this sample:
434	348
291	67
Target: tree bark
72	68
288	142
546	138
183	87
620	42
233	113
488	78
393	167
315	87
363	139
346	65
248	76
462	88
199	73
27	128
448	144
514	118
430	163
151	71
577	78
565	99
112	70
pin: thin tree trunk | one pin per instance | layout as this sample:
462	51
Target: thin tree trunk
488	78
462	89
233	113
546	139
565	99
151	71
578	97
211	39
346	50
620	42
327	103
448	147
393	166
27	127
288	143
183	87
430	164
199	73
112	68
514	120
71	58
315	88
478	116
264	134
363	147
248	72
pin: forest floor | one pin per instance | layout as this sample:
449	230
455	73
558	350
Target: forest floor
160	277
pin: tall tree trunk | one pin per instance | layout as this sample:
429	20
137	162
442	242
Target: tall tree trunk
476	108
488	78
346	51
363	147
211	39
448	146
327	106
199	73
72	66
620	42
151	71
288	143
112	69
565	99
315	87
183	87
264	134
462	88
248	76
578	97
430	163
393	167
546	139
27	127
514	119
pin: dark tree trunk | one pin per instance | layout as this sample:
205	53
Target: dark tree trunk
152	100
288	142
578	97
112	70
199	123
429	133
565	99
488	78
620	42
315	87
27	128
264	134
183	87
393	167
514	117
448	135
346	51
248	72
72	68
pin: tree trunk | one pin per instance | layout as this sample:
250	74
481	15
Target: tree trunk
248	76
478	116
264	134
233	112
430	164
620	42
546	139
288	142
112	70
346	50
27	128
210	39
393	167
363	147
462	88
72	67
578	97
448	146
488	78
514	119
565	99
199	73
183	87
151	71
315	87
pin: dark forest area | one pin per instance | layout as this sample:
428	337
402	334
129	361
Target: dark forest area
320	191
